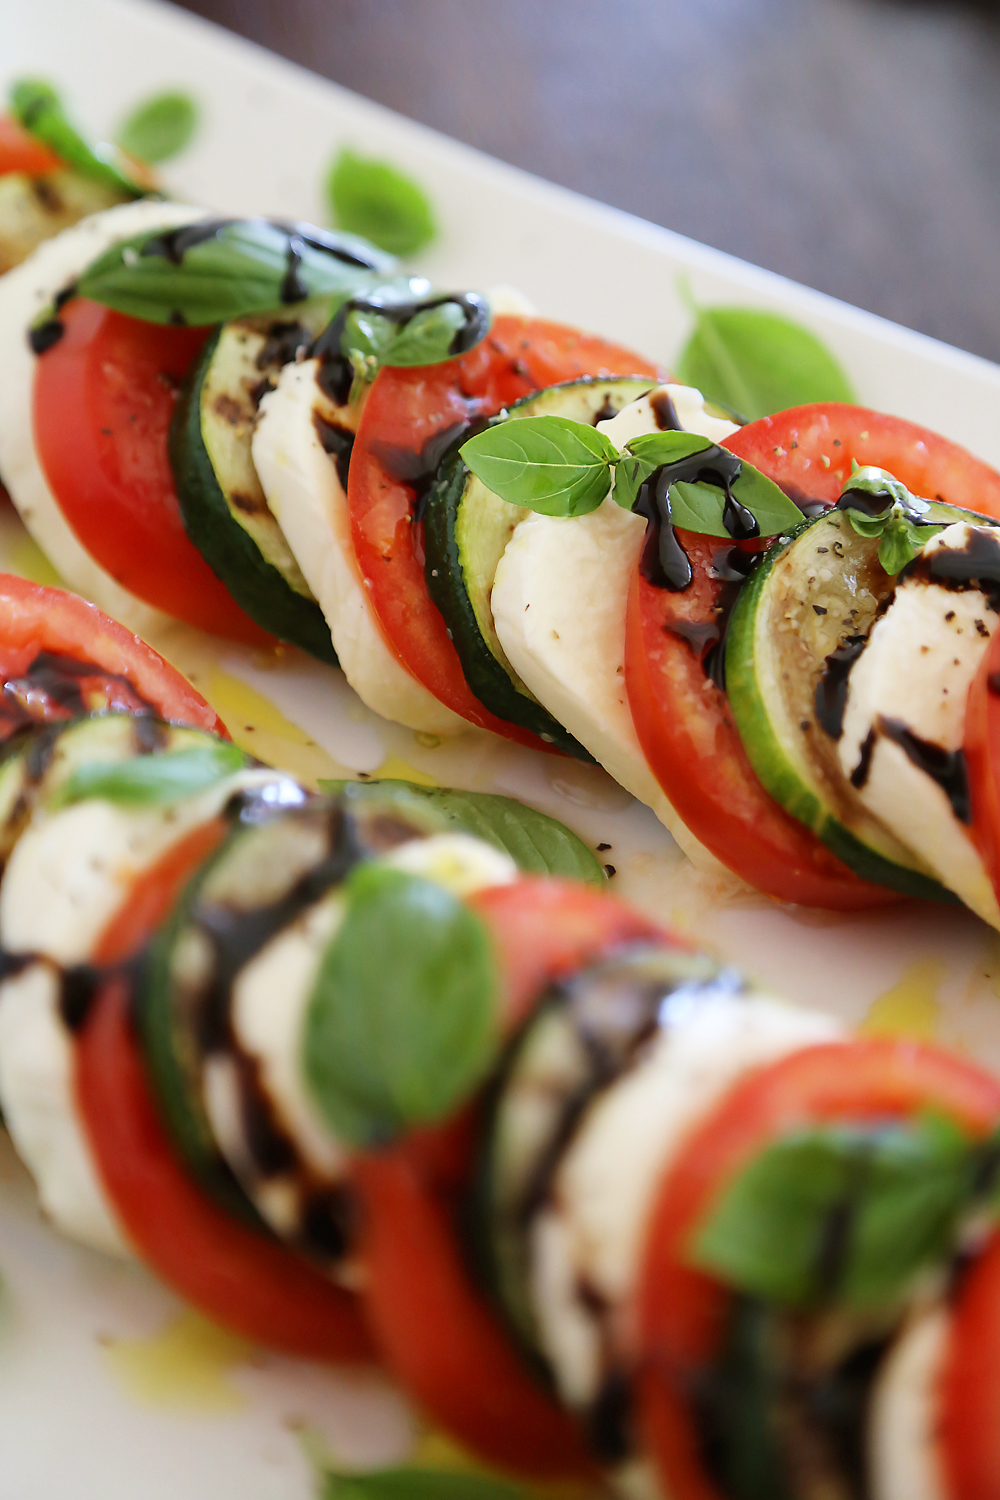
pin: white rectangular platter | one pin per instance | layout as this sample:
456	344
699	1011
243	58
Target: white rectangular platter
108	1388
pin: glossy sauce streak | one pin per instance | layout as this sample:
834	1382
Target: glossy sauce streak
946	767
665	412
338	442
664	563
975	566
418	468
831	690
45	335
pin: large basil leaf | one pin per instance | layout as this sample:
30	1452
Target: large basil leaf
759	362
374	199
144	780
549	464
842	1214
402	1023
698	505
536	843
226	269
418	1484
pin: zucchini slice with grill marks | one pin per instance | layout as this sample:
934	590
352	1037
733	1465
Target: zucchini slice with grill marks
224	509
797	625
467	527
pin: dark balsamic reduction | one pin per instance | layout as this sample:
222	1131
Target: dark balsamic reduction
174	244
281	344
610	1418
78	986
605	412
417	468
664	562
861	772
55	686
338	442
810	507
665	412
47	334
947	767
831	690
975	566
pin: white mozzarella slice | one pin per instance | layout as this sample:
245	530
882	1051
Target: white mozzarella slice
24	293
303	492
559	603
67	876
916	670
270	1003
586	1244
507	301
904	1461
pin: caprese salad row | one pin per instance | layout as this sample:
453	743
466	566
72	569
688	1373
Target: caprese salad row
351	1083
794	713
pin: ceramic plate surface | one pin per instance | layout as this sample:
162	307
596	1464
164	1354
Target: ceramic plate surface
110	1390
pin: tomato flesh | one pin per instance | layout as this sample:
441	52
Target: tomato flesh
982	758
20	152
681	1312
681	717
239	1278
969	1418
103	400
405	411
434	1326
60	656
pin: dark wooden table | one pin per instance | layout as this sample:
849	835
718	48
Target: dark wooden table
851	144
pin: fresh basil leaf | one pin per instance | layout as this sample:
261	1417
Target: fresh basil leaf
160	127
548	464
841	1214
774	511
698	505
758	362
536	843
418	1484
236	268
146	779
374	199
426	339
38	108
402	1023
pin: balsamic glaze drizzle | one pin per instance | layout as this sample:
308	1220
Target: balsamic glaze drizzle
974	566
831	690
664	563
946	767
338	442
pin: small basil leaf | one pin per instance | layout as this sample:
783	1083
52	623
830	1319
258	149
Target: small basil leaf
759	363
147	779
536	843
402	1023
548	464
37	107
160	127
418	1484
235	268
699	506
774	511
851	1215
372	198
426	339
630	476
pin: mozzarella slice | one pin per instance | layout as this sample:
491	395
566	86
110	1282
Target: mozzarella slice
903	1456
303	492
914	676
559	603
24	292
67	876
587	1241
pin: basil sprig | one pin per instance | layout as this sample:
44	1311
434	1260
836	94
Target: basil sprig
564	468
417	1484
160	127
375	199
405	322
145	780
847	1215
219	269
37	107
878	505
758	362
537	843
402	1023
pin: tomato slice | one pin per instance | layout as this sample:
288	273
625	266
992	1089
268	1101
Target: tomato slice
438	1333
60	656
239	1278
681	1312
20	152
969	1414
103	399
982	757
682	719
406	412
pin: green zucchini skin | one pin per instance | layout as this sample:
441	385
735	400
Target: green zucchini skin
487	671
258	587
780	770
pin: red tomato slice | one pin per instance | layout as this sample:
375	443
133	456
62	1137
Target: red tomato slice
408	408
982	756
969	1417
437	1331
237	1277
102	403
60	656
683	720
20	152
681	1311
